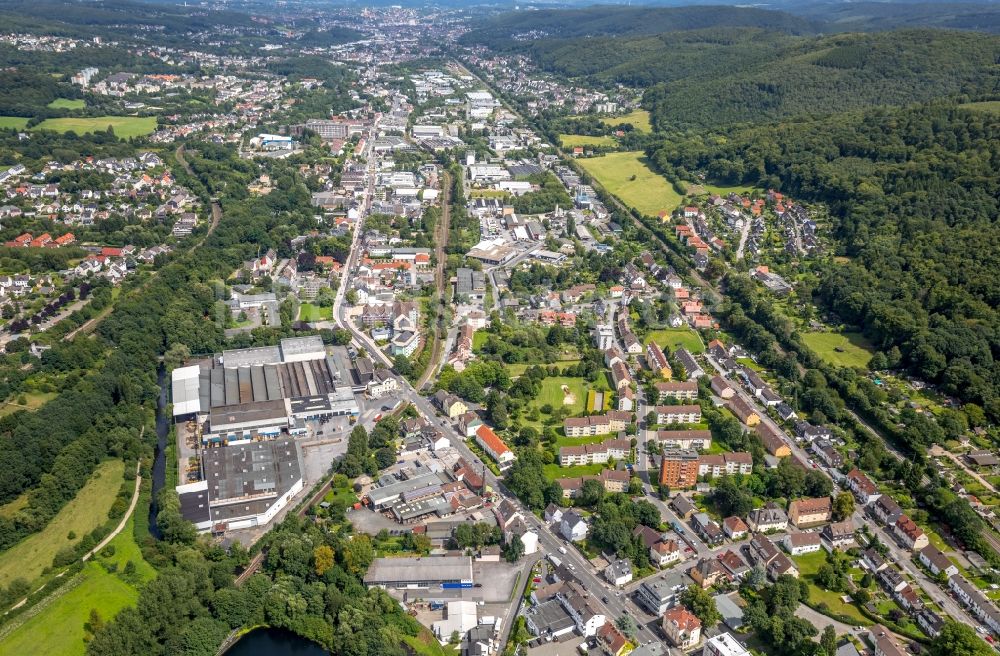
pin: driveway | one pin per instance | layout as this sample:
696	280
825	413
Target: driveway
821	621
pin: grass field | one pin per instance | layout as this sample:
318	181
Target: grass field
627	176
992	106
15	122
88	510
639	119
675	337
552	393
571	140
808	565
516	370
59	627
840	349
66	103
310	312
11	508
33	401
554	471
124	126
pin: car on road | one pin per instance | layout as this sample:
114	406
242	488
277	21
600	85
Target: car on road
562	550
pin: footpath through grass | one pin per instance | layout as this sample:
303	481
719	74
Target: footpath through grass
88	510
627	176
56	626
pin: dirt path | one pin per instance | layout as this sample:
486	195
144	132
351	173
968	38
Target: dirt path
439	280
121	525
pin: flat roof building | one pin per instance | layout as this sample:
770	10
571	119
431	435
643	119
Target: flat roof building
425	572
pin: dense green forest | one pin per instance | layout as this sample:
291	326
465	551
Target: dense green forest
629	21
721	75
915	196
870	16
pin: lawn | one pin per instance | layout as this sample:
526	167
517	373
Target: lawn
749	363
840	349
424	644
66	103
724	190
310	312
33	401
677	337
808	565
88	510
15	122
124	126
59	627
554	471
627	176
639	119
516	370
562	440
479	339
571	140
552	394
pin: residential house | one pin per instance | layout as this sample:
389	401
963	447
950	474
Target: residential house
691	366
686	390
863	488
873	561
886	510
618	572
774	561
494	447
735	528
685	439
682	628
679	468
801	543
809	512
838	535
449	404
707	529
826	452
734	565
678	414
774	441
883	642
683	506
708	572
572	527
935	560
930	622
909	534
890	579
768	518
612	642
589	454
657	361
743	411
721	388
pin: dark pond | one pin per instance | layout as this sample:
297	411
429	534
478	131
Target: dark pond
275	642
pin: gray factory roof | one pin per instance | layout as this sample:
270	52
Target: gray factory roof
292	347
418	570
251	356
247	413
381	495
407	511
245	472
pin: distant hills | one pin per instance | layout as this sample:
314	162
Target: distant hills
716	65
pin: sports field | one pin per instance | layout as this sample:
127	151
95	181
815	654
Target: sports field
58	628
15	122
88	510
571	140
673	338
124	126
310	312
66	103
840	349
627	176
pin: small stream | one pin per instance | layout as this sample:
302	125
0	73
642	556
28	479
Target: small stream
160	454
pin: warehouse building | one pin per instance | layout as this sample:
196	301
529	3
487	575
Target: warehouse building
244	485
427	572
263	392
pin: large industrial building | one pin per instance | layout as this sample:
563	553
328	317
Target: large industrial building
427	572
245	485
263	392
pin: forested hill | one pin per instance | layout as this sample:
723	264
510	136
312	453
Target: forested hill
866	16
915	197
816	76
721	75
603	21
